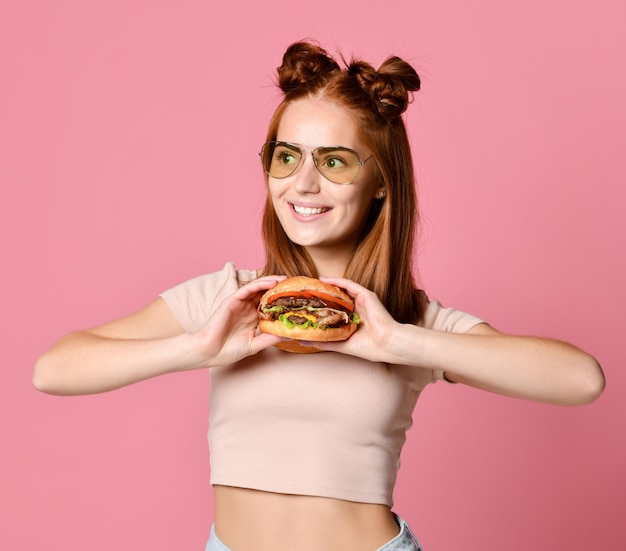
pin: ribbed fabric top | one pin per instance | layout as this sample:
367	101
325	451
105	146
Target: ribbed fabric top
323	424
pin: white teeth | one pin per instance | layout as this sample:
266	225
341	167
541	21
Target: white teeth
308	211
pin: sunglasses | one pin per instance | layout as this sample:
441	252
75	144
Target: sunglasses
340	165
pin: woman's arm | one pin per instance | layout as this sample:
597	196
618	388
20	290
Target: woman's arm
152	342
532	368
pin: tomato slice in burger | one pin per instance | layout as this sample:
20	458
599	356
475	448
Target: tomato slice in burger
294	294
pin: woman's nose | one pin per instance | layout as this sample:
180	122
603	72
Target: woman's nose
307	177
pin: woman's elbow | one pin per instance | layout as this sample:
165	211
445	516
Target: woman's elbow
591	382
45	375
40	375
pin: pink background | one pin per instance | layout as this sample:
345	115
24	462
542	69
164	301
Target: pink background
129	133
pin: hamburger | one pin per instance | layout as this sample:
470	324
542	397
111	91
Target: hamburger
305	308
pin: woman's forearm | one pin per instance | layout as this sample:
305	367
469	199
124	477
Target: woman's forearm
86	363
532	368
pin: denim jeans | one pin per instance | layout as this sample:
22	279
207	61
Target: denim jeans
404	541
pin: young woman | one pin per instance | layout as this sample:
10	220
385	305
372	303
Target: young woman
305	447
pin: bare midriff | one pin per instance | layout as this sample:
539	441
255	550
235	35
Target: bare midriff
251	520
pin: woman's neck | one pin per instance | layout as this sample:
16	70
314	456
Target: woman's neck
330	262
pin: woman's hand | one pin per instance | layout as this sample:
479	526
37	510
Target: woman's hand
373	334
231	332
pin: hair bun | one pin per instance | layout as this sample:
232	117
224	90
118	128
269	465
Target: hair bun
388	87
303	63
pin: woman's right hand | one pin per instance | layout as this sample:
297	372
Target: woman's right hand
152	342
231	332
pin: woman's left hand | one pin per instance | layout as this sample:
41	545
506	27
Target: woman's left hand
375	328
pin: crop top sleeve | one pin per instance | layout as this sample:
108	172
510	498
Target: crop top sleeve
323	424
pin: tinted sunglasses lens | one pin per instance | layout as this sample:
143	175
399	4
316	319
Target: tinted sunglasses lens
337	164
280	159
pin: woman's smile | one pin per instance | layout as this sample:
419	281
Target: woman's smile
308	211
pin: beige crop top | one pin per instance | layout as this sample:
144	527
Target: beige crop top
322	424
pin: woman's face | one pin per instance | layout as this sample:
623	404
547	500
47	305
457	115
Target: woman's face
316	213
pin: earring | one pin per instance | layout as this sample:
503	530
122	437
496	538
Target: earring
381	194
